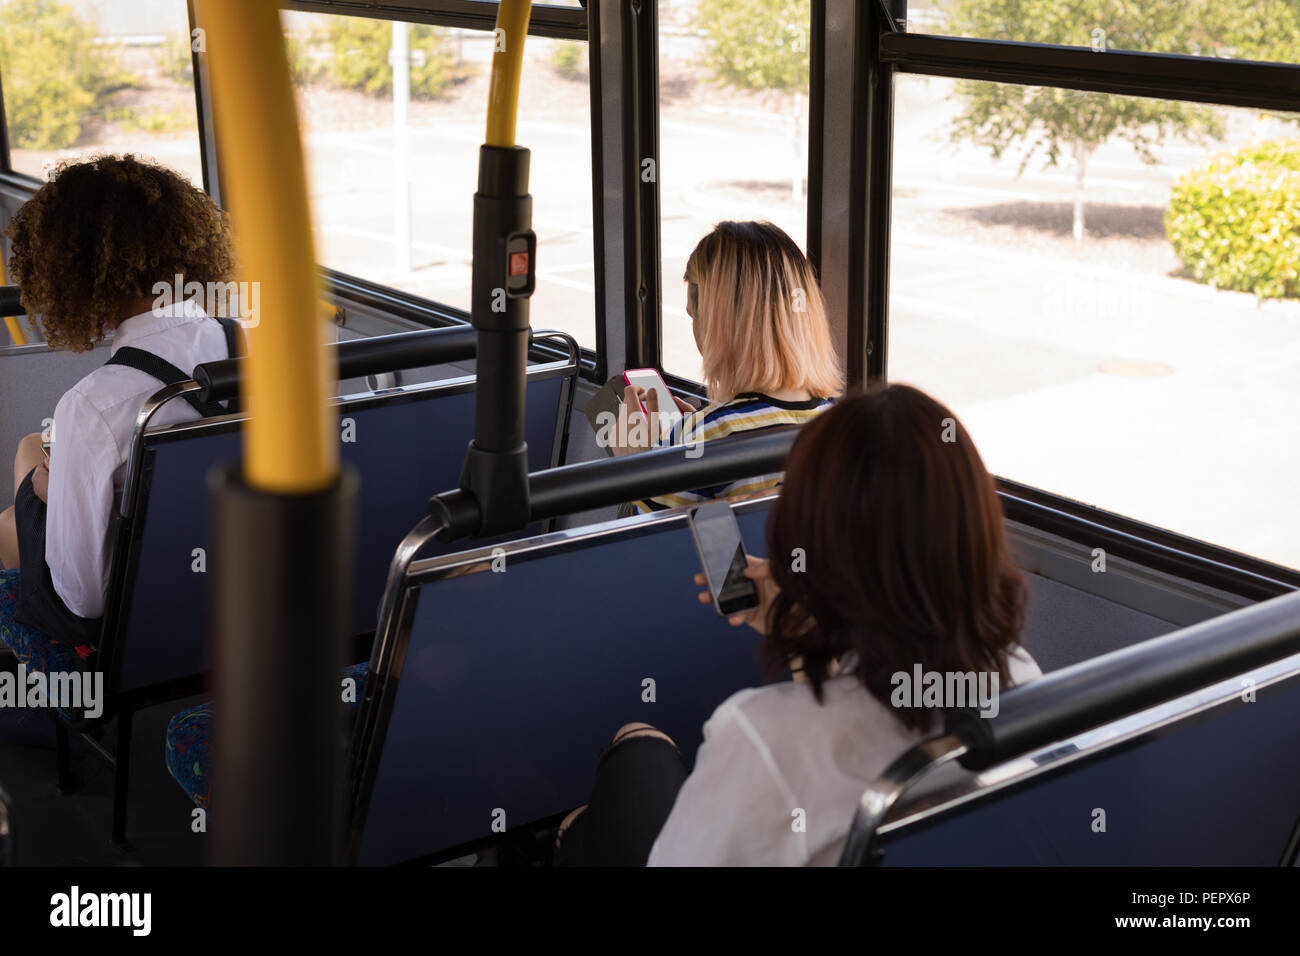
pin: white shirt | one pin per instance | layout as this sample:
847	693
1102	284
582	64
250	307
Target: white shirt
771	752
93	425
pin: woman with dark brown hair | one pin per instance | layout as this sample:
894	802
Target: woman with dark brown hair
889	588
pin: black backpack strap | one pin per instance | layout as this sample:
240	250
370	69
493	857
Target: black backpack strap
233	350
231	328
165	372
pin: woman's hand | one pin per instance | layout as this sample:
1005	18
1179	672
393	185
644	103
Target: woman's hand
638	430
760	572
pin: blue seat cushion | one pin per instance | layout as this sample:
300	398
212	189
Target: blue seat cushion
29	645
189	751
189	740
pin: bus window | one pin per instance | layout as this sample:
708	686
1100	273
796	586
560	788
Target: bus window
733	134
1261	30
1118	328
81	77
397	207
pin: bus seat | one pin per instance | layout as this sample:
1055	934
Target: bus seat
189	740
404	447
1222	792
1209	779
501	688
405	444
30	646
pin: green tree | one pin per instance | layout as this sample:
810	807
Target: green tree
360	60
54	73
761	45
1262	30
1053	122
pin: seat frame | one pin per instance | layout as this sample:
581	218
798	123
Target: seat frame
127	535
884	816
407	576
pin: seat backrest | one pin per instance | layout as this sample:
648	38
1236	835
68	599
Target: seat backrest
1212	779
32	380
504	681
405	445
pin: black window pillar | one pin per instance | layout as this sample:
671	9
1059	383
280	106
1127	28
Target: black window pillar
625	118
203	114
849	219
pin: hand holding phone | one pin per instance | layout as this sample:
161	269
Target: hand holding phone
647	382
722	553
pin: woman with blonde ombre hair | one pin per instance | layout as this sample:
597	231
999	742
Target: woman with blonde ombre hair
760	323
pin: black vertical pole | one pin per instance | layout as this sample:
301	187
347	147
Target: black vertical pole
282	563
879	200
505	250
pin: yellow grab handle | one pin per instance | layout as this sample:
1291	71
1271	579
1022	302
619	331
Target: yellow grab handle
11	321
290	444
507	64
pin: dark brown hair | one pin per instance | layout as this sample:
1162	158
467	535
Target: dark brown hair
100	233
904	553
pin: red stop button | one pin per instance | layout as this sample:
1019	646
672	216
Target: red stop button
518	264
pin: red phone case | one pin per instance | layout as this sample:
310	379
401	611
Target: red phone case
661	382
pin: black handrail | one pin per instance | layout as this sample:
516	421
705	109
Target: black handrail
11	301
611	481
219	381
1123	682
1166	76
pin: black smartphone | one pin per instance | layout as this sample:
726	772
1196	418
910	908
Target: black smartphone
717	540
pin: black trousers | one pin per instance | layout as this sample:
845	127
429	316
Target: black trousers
637	780
39	604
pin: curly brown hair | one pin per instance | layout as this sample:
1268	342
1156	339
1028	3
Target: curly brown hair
97	237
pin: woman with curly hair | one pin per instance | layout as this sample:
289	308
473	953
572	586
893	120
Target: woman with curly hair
89	251
887	559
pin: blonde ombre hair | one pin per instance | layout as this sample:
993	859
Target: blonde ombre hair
760	319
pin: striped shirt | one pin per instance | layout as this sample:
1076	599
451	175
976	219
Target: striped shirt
747	412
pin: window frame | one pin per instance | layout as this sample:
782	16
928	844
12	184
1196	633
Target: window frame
856	49
565	23
864	50
546	20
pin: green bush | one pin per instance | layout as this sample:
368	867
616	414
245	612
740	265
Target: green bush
1235	222
566	57
360	60
54	74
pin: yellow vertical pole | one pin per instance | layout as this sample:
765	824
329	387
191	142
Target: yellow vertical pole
289	441
282	531
507	65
